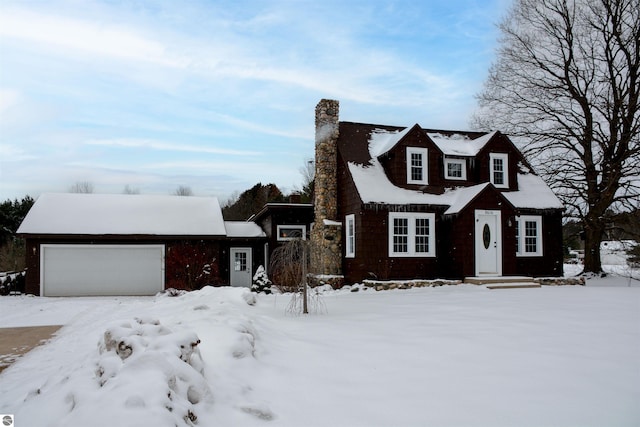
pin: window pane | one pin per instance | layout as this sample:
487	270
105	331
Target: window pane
416	166
517	236
454	170
498	172
240	261
422	235
530	237
400	235
350	236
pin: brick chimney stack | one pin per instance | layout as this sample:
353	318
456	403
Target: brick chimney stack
326	235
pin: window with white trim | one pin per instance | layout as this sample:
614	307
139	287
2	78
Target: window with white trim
411	234
291	232
350	231
417	170
455	169
529	235
498	169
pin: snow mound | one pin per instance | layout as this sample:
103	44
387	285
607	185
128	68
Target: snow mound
137	354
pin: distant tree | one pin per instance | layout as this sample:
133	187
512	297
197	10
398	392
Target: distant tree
183	190
84	187
566	84
130	190
252	201
12	248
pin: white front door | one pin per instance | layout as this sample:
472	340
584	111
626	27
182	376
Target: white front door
240	267
488	243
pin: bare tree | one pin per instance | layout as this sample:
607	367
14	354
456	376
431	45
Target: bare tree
308	172
290	268
84	187
566	85
183	190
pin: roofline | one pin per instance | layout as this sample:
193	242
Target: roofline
123	236
478	132
266	207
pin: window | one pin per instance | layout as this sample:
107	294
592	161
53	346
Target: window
240	261
350	250
411	234
291	232
498	165
455	169
417	165
529	235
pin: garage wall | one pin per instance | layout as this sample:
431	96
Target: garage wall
92	270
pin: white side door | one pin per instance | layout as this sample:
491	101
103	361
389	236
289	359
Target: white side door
488	243
240	269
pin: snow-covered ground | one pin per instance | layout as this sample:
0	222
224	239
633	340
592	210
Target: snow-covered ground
448	356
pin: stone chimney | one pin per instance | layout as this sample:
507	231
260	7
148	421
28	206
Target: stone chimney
326	235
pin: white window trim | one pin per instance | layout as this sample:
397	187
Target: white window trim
294	226
425	163
461	162
521	247
411	253
505	163
350	244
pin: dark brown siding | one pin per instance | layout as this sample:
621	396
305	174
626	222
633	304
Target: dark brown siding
175	249
372	259
550	264
283	215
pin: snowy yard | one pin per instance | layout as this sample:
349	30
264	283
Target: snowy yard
447	356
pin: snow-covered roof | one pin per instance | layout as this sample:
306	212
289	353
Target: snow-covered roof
451	144
382	140
124	214
459	144
374	187
462	196
243	229
533	193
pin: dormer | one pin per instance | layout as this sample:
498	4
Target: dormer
498	163
407	155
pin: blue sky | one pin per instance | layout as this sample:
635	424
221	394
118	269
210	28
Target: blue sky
220	95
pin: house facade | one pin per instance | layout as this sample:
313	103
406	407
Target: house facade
415	203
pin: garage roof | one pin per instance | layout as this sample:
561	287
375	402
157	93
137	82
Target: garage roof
124	214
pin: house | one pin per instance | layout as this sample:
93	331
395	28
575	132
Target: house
408	202
109	244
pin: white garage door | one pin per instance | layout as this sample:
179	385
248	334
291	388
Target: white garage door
86	270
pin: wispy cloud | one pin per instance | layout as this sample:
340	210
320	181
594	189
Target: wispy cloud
169	146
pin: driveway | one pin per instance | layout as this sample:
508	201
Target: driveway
14	342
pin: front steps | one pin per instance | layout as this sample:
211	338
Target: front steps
504	282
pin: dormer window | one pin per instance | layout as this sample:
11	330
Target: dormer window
417	165
498	169
455	169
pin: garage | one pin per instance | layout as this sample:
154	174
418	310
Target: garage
93	270
120	244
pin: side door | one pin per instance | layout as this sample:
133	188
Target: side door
240	268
